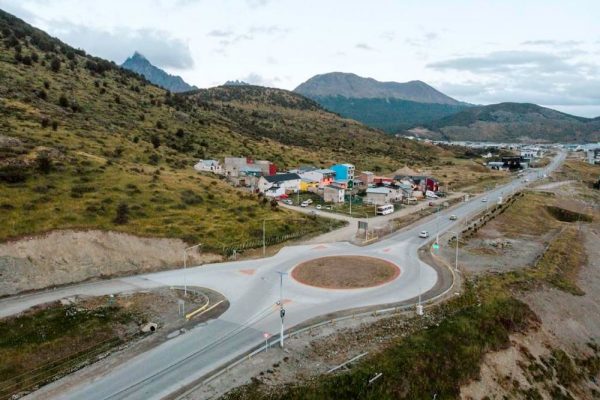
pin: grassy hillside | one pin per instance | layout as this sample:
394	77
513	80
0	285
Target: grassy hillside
85	144
515	122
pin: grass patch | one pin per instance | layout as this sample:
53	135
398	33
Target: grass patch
560	264
36	346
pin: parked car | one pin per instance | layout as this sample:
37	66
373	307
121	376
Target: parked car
308	201
288	202
453	217
440	194
484	200
328	207
424	234
318	207
304	204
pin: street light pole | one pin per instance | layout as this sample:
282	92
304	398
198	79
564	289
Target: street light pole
456	254
185	266
281	309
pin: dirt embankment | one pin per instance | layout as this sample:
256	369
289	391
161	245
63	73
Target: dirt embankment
67	256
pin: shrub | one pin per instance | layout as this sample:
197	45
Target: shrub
45	122
54	125
122	216
155	140
63	101
42	94
55	64
190	197
44	163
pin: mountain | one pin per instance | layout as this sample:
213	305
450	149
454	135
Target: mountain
235	83
86	144
514	122
140	64
391	106
356	87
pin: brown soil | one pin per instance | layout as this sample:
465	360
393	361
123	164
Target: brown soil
345	272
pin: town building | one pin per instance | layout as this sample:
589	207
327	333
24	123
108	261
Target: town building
333	194
343	172
324	177
593	156
289	181
366	178
209	166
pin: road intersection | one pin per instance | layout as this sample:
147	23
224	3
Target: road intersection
252	288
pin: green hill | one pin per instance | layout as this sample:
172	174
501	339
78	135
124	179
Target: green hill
390	106
389	114
86	144
513	122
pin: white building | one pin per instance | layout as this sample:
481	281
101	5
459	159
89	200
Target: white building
289	182
333	194
208	166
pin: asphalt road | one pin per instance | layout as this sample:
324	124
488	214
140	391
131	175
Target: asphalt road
252	287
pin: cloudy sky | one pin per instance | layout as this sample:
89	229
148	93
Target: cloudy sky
541	51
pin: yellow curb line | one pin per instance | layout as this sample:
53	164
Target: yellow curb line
190	315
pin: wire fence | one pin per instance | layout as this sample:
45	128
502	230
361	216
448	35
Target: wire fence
229	250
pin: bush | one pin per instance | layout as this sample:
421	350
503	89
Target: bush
190	197
54	125
13	173
155	140
122	216
63	101
55	64
44	163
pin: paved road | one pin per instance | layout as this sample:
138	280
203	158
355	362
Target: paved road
348	232
252	287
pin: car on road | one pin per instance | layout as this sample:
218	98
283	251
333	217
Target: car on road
288	202
484	200
424	234
453	217
304	204
318	207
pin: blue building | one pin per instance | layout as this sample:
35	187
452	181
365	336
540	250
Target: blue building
343	172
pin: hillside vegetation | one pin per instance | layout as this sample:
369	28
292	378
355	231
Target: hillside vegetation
513	122
390	106
389	114
86	144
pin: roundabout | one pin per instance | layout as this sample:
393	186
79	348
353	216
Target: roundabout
345	272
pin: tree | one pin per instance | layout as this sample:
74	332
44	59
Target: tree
122	216
44	163
274	205
54	125
63	101
55	64
155	140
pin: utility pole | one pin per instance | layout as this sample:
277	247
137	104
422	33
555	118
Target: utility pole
264	238
185	266
350	203
281	309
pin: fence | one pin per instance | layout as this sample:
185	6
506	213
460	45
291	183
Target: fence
228	250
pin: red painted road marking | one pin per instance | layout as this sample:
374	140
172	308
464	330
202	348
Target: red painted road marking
320	247
250	271
386	250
